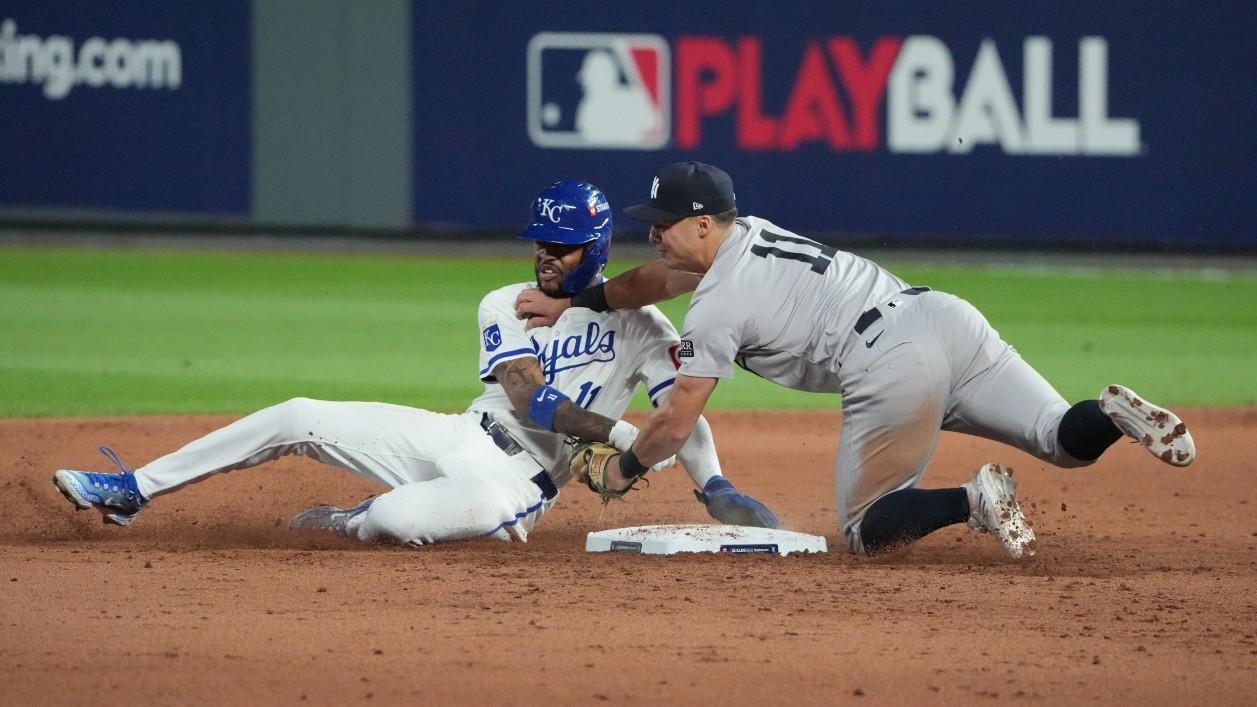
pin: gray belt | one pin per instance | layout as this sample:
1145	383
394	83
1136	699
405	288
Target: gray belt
507	444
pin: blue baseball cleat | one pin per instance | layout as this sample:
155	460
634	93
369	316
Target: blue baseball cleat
727	505
116	496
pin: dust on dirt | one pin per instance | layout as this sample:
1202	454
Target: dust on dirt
1142	591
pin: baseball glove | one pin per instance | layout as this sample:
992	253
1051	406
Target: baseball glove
589	464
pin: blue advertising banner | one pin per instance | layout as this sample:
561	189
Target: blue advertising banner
134	105
1067	122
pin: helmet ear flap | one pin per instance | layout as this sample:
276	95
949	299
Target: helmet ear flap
593	262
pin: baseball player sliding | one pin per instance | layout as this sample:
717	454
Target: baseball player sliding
495	469
908	362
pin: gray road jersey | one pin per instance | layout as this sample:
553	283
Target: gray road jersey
781	306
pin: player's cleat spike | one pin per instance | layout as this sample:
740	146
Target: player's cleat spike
325	517
1156	429
116	496
993	509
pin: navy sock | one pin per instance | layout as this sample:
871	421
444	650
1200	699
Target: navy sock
1085	431
901	517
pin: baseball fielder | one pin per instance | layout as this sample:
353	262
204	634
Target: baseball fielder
495	469
908	362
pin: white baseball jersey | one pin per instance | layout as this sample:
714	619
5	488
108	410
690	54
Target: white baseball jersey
781	306
596	359
449	480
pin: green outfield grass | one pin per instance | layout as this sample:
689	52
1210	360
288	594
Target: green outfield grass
86	332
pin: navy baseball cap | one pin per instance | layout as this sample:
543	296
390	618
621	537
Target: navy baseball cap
686	189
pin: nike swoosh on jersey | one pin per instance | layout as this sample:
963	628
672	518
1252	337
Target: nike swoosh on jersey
869	344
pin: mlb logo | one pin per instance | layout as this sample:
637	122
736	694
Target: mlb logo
599	91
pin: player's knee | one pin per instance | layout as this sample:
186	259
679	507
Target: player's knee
298	406
294	413
391	519
430	512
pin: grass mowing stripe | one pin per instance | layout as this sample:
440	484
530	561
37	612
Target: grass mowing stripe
87	332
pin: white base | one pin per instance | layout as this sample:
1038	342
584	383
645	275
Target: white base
670	539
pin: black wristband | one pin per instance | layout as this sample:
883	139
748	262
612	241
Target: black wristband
630	467
593	297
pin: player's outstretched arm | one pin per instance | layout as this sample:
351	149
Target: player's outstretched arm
645	284
650	283
672	423
546	406
667	429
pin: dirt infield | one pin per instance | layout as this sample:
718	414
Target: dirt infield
1144	590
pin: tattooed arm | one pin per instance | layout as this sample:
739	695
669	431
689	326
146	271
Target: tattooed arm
521	377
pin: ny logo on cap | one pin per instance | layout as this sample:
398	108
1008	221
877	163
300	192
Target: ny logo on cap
654	188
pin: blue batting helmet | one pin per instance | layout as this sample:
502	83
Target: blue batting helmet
574	213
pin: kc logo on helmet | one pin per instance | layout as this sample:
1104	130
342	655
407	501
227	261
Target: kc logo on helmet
599	91
548	209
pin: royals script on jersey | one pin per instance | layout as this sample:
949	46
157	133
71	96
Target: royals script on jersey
781	306
596	359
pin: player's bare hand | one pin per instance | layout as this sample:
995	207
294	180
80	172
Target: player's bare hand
539	309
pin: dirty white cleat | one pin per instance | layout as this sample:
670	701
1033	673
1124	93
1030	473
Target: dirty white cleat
324	517
993	509
1156	429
